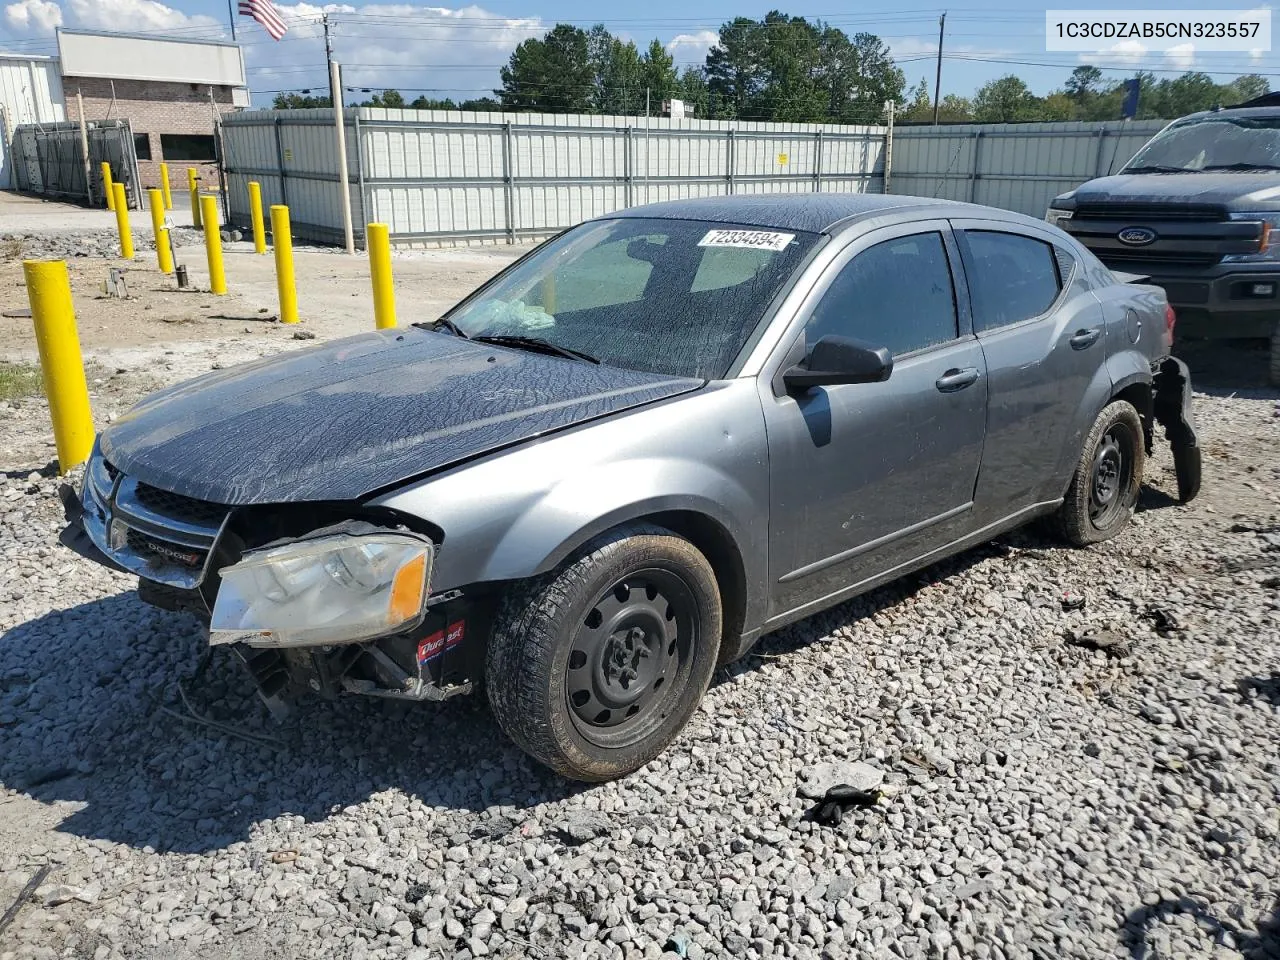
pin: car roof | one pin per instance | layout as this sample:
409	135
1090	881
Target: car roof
813	212
1257	113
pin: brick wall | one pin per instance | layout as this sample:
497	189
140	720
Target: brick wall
153	109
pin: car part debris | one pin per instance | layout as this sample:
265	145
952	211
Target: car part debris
32	885
841	798
818	780
1113	644
1163	620
1072	600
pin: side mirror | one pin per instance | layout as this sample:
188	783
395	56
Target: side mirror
836	360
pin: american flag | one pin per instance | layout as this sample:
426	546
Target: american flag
265	13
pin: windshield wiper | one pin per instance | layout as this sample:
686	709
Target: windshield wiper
1157	168
444	323
536	344
1241	166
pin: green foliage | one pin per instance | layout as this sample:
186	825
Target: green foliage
299	101
552	74
1006	100
18	380
392	99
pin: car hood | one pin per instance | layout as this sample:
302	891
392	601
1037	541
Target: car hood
1235	191
341	420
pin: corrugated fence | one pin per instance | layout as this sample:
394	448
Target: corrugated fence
436	176
1018	166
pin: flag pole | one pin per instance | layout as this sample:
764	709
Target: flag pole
231	16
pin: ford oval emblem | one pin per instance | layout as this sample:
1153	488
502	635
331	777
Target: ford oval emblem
1136	236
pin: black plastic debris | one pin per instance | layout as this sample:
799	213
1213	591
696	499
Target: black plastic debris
1164	622
840	799
1072	600
1113	644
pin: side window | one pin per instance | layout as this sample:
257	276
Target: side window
1014	278
896	294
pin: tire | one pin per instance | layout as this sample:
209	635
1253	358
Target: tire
594	669
1275	355
1107	480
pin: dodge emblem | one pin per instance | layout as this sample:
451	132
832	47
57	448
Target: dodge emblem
1136	236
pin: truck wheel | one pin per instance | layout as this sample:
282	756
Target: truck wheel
1275	355
594	669
1104	488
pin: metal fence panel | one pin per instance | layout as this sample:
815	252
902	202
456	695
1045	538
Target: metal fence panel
49	159
437	175
1014	166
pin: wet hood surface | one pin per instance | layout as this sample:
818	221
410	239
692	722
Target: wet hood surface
1235	191
338	421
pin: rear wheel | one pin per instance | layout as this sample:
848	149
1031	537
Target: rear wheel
1108	477
594	669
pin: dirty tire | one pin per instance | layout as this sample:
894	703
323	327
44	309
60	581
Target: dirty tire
595	668
1275	355
1111	461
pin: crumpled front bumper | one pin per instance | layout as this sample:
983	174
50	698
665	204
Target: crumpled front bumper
1172	410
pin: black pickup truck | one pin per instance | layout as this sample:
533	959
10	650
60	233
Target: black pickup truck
1196	210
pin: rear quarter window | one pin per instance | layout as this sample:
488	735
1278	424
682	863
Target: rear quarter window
1015	278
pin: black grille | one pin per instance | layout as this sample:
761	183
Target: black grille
186	509
1122	259
1139	213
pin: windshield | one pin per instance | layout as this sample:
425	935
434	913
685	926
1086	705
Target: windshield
676	297
1212	143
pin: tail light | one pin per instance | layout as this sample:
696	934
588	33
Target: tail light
1170	320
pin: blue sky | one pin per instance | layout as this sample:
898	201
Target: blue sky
456	51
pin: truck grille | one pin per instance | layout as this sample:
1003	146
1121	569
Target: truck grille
1152	212
175	505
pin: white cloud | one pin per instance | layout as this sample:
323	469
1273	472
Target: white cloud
1126	53
695	45
40	15
1181	57
122	16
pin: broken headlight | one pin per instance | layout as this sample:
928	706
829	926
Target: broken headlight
332	589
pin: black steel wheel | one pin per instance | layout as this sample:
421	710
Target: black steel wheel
630	656
1108	477
594	669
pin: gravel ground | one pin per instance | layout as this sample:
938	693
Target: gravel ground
1042	798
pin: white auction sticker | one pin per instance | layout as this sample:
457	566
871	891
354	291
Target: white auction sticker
752	239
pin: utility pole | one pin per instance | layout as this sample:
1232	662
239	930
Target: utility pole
937	82
231	16
340	132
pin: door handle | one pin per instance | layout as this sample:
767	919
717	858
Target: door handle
957	379
1085	338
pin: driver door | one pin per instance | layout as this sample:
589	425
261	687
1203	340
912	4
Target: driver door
867	477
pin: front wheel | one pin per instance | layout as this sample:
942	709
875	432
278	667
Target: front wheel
595	669
1108	478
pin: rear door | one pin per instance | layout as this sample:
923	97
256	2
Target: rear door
868	476
1043	337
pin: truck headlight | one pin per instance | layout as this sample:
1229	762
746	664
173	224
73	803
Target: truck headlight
1054	216
332	589
1268	246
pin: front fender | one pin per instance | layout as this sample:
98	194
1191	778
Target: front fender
521	512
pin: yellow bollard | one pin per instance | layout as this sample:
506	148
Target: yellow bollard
213	244
378	240
164	186
106	185
282	243
122	221
164	252
49	290
255	214
194	190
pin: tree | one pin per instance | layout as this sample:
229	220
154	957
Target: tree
1084	84
1006	100
299	101
386	98
920	106
553	73
657	75
421	102
1249	86
616	73
735	76
954	109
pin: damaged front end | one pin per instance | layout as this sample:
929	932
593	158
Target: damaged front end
344	607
